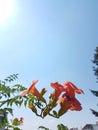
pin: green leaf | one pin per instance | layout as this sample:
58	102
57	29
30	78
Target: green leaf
16	128
25	103
11	78
42	127
18	88
10	110
31	96
62	127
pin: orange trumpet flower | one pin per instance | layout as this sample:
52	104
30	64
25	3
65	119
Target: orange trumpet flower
32	90
58	89
67	87
68	98
73	102
64	106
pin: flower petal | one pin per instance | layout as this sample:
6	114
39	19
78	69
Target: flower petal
71	88
33	84
58	89
24	93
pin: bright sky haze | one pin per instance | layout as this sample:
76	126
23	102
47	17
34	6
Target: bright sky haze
51	40
6	10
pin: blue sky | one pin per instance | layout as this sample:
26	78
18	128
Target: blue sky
52	40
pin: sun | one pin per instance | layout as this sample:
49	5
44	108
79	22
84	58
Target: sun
6	10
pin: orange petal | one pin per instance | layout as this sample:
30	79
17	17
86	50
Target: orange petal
57	86
79	91
75	105
79	108
56	94
65	105
33	84
72	86
35	92
72	101
58	89
24	93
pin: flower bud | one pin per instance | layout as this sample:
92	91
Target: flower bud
43	91
15	122
32	107
46	111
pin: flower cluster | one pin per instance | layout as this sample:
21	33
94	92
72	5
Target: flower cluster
63	94
17	122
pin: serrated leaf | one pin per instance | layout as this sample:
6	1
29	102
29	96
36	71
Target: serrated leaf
25	103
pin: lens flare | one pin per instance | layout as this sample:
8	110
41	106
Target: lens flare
6	10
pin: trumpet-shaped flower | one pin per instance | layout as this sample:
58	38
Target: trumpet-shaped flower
68	100
74	103
58	89
67	87
64	106
32	90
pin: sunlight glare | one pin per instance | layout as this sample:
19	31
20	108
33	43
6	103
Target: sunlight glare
6	10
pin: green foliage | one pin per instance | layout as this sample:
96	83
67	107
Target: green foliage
60	127
95	69
94	112
16	128
3	118
95	61
42	127
95	92
9	95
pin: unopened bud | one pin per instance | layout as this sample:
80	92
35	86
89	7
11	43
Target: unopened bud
43	91
32	107
46	111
